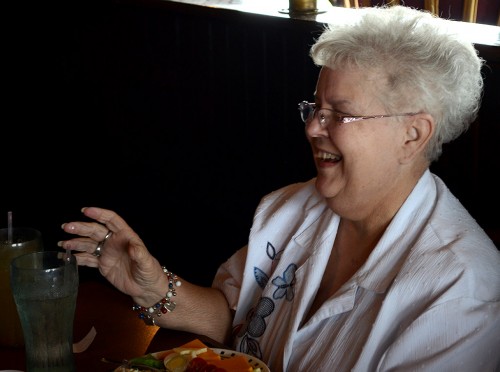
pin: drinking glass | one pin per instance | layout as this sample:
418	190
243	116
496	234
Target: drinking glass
21	240
45	287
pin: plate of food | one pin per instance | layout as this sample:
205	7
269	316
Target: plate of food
194	356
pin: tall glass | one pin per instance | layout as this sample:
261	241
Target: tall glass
21	240
45	287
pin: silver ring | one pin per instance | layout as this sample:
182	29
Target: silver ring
100	245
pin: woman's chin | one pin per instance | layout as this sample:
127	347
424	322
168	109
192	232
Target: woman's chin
324	188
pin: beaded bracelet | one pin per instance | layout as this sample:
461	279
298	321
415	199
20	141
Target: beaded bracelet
165	305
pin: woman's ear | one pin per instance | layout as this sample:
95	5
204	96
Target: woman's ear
419	130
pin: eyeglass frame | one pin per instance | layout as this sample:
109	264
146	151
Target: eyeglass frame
344	118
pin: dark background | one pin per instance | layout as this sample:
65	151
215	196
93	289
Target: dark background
179	119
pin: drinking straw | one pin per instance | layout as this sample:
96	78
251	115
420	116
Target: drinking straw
9	227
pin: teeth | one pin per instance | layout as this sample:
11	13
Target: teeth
328	156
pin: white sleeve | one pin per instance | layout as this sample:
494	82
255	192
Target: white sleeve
229	277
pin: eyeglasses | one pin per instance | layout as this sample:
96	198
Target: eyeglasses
308	111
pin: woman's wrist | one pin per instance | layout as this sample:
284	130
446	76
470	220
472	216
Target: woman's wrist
166	304
152	288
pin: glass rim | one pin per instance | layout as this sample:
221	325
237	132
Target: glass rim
23	262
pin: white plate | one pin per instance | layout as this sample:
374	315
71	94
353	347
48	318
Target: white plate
253	361
224	354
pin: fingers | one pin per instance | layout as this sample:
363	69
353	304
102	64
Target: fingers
92	230
106	217
85	259
79	245
108	221
93	236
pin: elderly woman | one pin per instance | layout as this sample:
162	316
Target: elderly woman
373	265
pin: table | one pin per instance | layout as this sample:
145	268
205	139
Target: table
120	333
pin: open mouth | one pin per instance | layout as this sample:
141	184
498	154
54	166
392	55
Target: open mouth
328	157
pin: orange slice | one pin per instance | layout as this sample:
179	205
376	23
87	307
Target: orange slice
208	355
236	363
